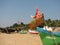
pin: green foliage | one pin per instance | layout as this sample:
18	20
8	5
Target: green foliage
15	25
21	25
26	27
18	25
54	23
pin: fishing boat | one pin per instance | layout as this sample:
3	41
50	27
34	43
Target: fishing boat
48	37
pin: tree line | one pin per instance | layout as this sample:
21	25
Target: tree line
48	22
52	23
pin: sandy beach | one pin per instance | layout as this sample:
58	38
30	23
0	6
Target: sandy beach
20	39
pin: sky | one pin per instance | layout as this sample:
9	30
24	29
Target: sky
14	11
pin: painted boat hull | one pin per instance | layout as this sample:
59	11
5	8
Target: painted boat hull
49	38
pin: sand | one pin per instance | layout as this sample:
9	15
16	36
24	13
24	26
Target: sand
20	39
57	29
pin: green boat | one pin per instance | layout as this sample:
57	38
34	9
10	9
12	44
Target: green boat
49	38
